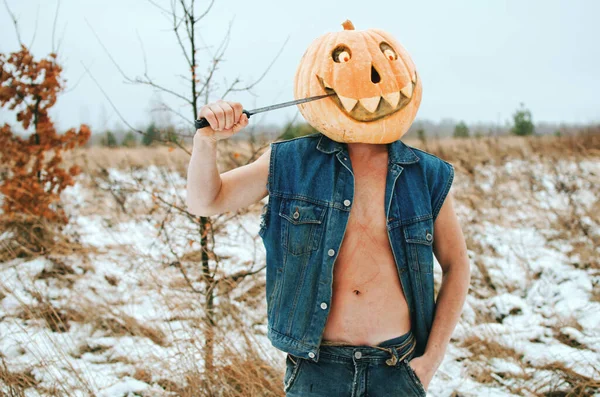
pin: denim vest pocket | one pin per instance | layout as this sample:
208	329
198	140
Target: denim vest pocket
419	245
302	225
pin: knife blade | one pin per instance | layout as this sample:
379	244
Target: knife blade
202	122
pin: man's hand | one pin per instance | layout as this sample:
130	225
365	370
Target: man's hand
425	367
225	119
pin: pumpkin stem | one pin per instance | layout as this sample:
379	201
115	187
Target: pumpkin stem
348	25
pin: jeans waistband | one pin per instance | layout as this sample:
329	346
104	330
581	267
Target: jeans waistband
401	348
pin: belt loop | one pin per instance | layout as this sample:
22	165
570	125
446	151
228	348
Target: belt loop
394	359
410	351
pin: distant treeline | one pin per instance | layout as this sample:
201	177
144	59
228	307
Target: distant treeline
151	135
521	124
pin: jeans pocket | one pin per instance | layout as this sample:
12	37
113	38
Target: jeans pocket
292	369
415	378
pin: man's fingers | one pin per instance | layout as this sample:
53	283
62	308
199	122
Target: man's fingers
229	114
210	116
237	111
219	114
243	123
227	117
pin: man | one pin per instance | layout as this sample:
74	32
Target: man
368	305
353	221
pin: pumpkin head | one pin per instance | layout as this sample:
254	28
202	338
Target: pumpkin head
377	88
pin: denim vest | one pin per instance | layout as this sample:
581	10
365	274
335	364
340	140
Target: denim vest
311	191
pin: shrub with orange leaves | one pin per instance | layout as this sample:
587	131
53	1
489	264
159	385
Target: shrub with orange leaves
32	177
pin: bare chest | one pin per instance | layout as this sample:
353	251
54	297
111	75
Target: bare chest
368	305
365	254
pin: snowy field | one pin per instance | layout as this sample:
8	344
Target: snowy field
122	315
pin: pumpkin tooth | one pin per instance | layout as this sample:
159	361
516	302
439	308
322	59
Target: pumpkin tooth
370	103
407	90
348	102
392	98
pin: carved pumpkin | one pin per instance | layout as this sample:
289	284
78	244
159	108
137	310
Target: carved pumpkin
377	88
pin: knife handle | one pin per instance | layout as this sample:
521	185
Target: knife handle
202	122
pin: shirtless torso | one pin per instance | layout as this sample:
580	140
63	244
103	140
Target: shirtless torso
368	305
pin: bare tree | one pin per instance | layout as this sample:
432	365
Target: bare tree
184	18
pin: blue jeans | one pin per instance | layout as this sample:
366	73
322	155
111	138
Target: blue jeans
356	370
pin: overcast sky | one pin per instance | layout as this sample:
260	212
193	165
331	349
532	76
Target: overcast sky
477	59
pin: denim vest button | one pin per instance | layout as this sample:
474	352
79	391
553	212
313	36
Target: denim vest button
323	305
428	236
311	354
357	354
296	215
331	252
346	202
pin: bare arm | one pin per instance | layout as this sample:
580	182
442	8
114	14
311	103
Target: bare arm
451	252
209	192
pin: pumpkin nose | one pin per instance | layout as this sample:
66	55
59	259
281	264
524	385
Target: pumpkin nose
375	78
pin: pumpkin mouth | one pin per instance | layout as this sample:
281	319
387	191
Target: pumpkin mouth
374	108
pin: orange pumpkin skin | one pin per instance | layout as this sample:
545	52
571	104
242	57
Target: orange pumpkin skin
378	91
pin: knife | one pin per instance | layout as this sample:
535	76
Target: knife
202	122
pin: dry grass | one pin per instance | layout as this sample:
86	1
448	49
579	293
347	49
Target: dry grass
482	349
103	318
243	372
17	382
472	152
31	238
465	152
230	154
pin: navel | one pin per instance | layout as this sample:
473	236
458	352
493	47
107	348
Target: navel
356	292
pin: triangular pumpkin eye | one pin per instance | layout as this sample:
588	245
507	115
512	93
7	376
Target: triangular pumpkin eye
388	51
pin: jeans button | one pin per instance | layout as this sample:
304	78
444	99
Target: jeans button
357	354
311	354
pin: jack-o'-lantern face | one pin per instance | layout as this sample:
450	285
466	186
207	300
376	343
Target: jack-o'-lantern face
375	81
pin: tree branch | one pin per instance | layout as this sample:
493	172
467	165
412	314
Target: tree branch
55	49
14	21
37	17
250	86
